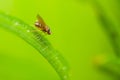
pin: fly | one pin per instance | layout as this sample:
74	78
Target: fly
40	24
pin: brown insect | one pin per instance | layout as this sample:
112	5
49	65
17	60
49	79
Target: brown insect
40	24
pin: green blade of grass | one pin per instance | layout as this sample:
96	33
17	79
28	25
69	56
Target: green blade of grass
111	67
38	41
112	30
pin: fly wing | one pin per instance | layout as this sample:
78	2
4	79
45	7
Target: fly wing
40	20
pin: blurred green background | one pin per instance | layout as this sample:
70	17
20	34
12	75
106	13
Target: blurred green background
76	33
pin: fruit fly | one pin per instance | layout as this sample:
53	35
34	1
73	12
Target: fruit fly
40	24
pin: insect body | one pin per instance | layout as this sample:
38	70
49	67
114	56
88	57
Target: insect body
40	24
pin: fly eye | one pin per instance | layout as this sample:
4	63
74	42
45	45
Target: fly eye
49	32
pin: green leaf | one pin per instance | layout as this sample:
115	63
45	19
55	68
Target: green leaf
36	39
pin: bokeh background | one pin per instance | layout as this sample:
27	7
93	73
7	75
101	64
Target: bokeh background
76	33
